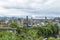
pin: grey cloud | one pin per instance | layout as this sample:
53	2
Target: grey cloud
35	11
35	7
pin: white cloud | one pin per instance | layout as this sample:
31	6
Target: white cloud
29	7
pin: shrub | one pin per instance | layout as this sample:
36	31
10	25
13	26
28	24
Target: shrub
51	38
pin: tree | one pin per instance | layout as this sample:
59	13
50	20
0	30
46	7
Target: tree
14	25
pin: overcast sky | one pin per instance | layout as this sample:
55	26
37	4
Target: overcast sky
30	7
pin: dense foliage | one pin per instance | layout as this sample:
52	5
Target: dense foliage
48	30
35	33
7	36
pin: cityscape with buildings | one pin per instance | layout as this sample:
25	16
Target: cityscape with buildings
5	21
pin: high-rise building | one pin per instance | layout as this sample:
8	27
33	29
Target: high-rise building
27	21
31	21
45	19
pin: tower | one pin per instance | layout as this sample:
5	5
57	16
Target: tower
31	21
27	21
46	19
